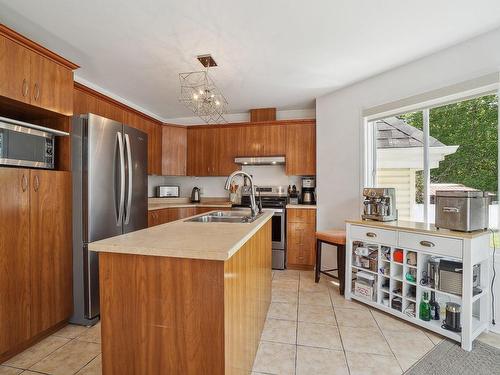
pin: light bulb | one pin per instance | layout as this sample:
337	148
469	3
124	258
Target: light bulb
195	96
201	92
217	102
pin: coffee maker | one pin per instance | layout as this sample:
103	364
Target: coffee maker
379	204
308	190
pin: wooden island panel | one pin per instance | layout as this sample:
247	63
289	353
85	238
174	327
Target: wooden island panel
165	315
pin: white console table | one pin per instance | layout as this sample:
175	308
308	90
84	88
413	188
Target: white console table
424	241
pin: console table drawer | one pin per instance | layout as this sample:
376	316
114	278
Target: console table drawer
383	236
451	247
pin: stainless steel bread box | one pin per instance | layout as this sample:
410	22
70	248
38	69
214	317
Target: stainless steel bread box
167	191
464	211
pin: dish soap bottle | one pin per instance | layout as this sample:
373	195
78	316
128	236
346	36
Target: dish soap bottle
425	308
434	307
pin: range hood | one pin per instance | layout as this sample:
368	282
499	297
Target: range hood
261	160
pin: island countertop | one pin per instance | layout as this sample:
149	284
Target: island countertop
182	239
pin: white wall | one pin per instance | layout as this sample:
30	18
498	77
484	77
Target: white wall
214	186
339	117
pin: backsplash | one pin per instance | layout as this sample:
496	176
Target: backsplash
214	186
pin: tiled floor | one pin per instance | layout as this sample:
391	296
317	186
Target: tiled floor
310	329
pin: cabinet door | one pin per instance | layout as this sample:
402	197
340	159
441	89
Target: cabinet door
300	149
14	70
15	258
174	151
229	140
153	218
202	152
51	85
50	250
262	140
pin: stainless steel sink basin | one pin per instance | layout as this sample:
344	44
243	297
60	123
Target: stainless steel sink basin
224	217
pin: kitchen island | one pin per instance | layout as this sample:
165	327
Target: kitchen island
184	297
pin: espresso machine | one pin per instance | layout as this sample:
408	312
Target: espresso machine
379	204
308	190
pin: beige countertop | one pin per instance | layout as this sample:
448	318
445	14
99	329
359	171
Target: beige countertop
161	203
181	239
414	226
310	206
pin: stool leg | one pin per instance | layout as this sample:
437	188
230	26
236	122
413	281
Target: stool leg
318	261
341	267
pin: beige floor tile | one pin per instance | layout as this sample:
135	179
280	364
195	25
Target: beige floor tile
364	340
354	318
280	310
316	314
93	334
415	344
321	298
372	364
275	358
306	275
284	331
93	368
286	275
4	370
37	352
71	331
284	284
320	361
280	295
68	359
340	301
434	337
28	372
407	360
310	286
391	323
318	335
490	338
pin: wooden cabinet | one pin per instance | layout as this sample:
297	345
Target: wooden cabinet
174	150
202	151
34	75
262	140
301	149
229	140
15	281
36	251
166	215
51	249
301	238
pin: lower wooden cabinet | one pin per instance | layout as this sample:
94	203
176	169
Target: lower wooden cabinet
301	235
35	248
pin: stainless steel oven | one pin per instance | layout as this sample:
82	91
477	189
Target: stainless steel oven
26	145
274	199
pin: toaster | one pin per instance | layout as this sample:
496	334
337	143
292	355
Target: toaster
167	191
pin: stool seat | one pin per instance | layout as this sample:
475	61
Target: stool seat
333	236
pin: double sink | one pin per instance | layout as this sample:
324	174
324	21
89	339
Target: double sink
239	216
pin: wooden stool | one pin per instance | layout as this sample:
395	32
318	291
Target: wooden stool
335	238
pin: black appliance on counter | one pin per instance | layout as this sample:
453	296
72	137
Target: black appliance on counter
274	199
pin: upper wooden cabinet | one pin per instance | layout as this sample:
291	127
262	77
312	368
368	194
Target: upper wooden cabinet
174	150
229	140
262	140
87	100
31	74
301	148
202	151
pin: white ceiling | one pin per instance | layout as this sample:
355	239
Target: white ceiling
274	53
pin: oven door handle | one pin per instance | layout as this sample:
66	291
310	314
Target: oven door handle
274	210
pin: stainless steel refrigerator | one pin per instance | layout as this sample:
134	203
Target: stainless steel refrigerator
109	163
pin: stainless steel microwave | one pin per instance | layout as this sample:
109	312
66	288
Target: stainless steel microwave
26	145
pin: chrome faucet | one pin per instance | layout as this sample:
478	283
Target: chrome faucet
253	204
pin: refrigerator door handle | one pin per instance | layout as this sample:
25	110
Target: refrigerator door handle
130	172
122	179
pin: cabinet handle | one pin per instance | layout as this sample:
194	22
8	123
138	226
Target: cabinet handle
36	183
25	87
371	234
37	91
24	183
427	243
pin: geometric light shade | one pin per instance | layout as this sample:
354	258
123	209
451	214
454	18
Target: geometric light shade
201	95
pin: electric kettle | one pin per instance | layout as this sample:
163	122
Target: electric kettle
195	195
